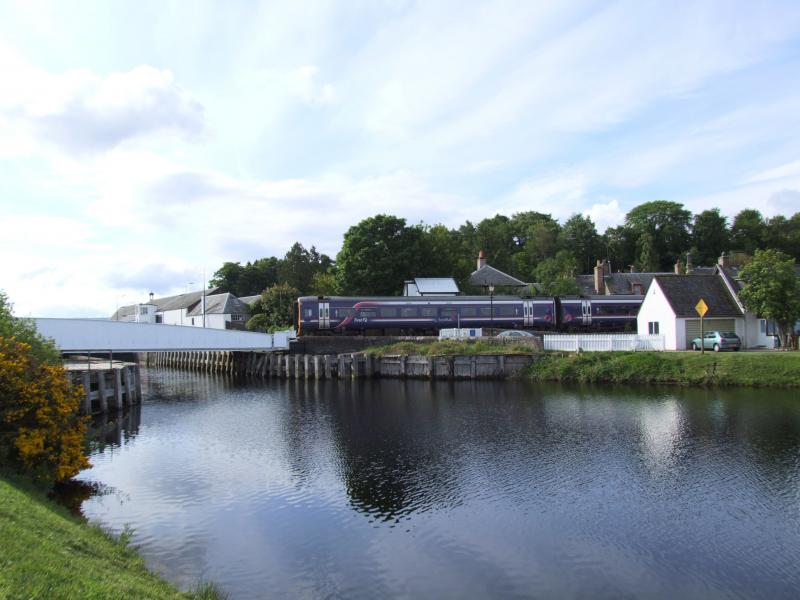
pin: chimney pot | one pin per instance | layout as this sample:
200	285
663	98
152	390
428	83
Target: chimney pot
599	271
481	259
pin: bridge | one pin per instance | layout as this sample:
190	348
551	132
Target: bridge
74	336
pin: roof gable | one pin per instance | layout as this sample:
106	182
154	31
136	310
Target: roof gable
486	276
683	292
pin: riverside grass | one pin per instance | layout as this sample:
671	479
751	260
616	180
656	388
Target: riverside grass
48	553
450	347
746	369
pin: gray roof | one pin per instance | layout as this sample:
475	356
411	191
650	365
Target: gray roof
617	283
486	276
167	303
436	285
250	300
683	292
220	304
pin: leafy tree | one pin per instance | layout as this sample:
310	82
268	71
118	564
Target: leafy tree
748	231
579	237
710	236
668	224
556	276
24	330
299	266
620	245
771	289
439	253
647	261
377	255
324	284
784	234
275	309
494	236
227	277
41	433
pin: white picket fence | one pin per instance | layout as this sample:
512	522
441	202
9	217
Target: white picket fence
460	334
612	342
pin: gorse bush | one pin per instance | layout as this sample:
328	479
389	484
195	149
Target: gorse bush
41	433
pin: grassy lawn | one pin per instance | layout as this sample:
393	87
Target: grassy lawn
47	553
451	347
761	369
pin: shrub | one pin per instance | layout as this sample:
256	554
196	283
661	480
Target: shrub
40	430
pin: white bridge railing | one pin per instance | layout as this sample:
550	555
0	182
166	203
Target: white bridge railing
611	342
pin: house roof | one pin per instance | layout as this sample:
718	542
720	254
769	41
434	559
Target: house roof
220	304
486	276
683	292
250	300
167	303
436	285
617	283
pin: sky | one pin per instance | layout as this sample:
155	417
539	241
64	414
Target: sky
142	144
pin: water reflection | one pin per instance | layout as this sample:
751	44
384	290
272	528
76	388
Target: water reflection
468	489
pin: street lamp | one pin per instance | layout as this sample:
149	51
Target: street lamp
491	309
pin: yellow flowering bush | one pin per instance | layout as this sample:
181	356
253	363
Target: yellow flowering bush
41	432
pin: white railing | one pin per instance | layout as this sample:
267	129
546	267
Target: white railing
611	342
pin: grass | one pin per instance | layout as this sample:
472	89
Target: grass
48	553
754	369
451	347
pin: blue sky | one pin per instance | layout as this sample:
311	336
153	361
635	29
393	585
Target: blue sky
141	143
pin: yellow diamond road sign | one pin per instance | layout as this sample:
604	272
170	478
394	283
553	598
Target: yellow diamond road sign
701	307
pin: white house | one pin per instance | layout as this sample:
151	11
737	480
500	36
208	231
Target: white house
221	310
668	309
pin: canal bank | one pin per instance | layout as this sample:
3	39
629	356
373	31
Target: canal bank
746	369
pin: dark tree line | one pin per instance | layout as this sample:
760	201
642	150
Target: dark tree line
380	252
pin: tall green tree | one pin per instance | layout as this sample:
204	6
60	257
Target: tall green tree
784	234
298	266
275	309
748	231
579	237
620	247
556	275
710	236
772	290
227	277
647	257
377	255
668	224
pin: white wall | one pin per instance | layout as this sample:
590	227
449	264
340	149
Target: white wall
655	308
174	317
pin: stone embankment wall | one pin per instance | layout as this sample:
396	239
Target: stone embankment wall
337	344
347	366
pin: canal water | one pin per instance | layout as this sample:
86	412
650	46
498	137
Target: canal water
413	489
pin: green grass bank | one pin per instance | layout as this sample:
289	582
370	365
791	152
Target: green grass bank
752	369
450	347
48	553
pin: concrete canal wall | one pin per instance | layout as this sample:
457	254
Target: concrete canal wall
108	386
347	366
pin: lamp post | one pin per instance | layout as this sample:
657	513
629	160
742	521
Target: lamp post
491	309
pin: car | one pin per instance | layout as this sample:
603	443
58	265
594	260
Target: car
514	333
718	340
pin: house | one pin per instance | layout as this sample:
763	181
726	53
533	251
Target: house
668	309
489	278
605	283
221	310
431	286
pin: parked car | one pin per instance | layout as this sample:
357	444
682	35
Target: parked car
514	333
718	340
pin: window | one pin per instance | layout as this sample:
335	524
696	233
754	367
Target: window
192	320
652	327
368	312
237	317
486	311
505	311
449	313
427	311
142	310
307	313
159	318
469	311
343	313
387	311
408	312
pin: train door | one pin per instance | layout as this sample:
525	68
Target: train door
586	311
324	315
527	313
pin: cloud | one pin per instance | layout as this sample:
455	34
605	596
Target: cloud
81	111
784	202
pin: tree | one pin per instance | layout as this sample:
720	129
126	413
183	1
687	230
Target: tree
556	276
377	255
620	245
41	433
772	290
227	277
710	236
275	309
579	237
647	260
668	224
324	284
748	231
298	266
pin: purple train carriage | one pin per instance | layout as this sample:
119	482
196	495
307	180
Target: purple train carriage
426	315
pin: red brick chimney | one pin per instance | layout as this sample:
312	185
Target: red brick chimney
481	260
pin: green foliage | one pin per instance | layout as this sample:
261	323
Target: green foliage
299	267
377	255
771	288
748	231
579	237
275	309
620	246
668	225
556	276
324	284
23	330
710	237
453	348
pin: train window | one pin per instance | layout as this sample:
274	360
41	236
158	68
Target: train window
408	312
505	311
469	311
387	311
448	313
307	313
486	311
427	311
342	313
367	312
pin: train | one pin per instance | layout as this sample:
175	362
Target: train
426	315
